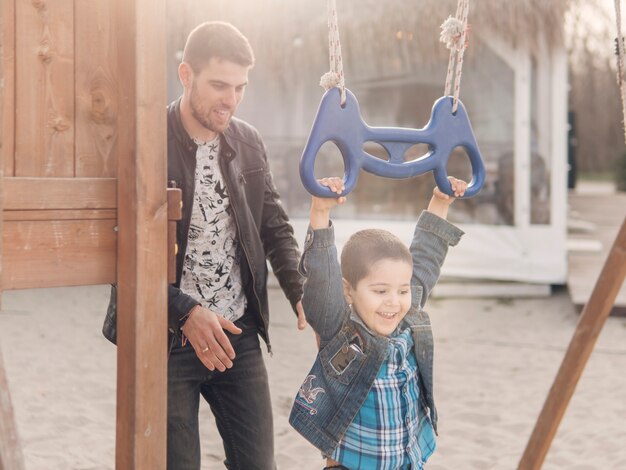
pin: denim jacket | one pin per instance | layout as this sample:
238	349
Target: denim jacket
350	354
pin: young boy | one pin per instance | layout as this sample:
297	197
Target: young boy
368	403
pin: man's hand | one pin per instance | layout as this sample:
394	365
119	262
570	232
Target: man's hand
301	316
302	323
205	331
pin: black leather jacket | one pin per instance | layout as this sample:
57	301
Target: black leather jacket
262	224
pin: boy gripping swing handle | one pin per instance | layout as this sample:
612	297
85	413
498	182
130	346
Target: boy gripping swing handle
368	401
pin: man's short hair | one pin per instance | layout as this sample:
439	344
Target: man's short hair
366	247
217	39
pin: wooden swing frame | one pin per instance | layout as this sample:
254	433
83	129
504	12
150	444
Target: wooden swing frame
125	219
590	324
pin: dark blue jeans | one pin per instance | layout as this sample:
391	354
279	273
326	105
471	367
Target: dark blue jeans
239	399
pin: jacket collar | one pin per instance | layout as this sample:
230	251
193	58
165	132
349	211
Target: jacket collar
179	130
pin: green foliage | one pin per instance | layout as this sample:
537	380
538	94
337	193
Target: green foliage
620	173
596	176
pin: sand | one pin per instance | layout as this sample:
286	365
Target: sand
495	361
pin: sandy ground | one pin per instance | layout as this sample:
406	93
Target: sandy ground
494	364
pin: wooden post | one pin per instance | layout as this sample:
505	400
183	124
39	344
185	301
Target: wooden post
10	451
7	18
589	326
142	236
7	101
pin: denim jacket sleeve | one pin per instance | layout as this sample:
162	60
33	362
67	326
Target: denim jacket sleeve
429	248
323	301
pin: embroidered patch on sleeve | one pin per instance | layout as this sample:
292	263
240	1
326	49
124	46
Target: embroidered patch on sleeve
308	393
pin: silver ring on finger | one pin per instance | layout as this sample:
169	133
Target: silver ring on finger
204	349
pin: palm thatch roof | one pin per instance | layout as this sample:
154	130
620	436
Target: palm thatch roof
379	38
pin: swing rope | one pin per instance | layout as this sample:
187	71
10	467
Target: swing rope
334	77
454	35
620	62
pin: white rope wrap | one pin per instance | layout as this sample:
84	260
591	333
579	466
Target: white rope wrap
329	80
451	32
454	35
334	78
620	63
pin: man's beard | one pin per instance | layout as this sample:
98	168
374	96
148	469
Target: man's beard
202	115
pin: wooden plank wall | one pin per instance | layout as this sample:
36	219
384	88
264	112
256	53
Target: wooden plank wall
44	92
66	95
96	89
60	130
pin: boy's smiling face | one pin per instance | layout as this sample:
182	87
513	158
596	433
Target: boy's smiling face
383	297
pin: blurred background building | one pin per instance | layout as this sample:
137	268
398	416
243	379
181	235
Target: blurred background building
515	87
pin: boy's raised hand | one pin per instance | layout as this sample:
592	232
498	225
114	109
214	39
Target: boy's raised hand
335	184
321	206
458	187
440	202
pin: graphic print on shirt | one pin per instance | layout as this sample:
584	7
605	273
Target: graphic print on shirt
211	272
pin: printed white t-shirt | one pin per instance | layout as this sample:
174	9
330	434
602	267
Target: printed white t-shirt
211	272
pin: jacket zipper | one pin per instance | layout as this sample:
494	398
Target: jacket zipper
243	246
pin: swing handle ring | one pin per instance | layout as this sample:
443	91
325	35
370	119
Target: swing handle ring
344	126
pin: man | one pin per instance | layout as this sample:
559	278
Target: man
232	222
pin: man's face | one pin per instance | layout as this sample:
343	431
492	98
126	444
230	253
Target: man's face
215	92
383	297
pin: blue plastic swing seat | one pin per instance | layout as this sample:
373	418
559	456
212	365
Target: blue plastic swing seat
344	126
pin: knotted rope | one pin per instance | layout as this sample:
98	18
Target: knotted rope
334	77
454	35
620	62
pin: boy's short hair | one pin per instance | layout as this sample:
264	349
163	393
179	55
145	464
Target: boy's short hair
366	247
217	39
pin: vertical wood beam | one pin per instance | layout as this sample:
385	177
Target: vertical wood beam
142	236
7	103
588	329
7	25
10	450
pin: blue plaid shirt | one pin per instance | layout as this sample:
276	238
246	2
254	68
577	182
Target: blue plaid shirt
392	429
